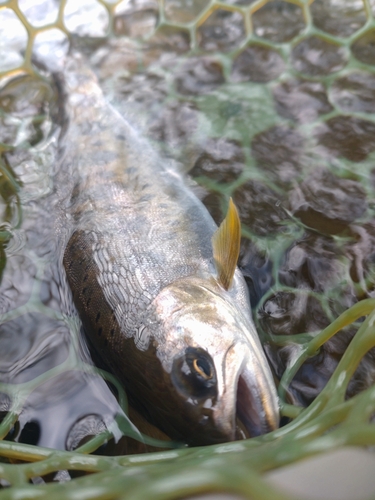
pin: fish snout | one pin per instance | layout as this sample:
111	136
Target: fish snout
247	404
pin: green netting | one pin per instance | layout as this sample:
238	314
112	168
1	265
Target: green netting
248	64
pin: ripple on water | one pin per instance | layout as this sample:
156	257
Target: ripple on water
328	203
170	39
301	100
15	34
30	345
75	399
364	48
26	103
278	21
314	56
86	18
223	30
355	92
83	430
221	160
176	124
292	312
259	208
338	18
137	18
40	12
199	76
257	63
279	152
313	262
184	11
17	282
347	136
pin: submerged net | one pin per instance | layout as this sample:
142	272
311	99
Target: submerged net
272	103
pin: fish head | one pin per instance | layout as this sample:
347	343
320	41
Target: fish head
215	371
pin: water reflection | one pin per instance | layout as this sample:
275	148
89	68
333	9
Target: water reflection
66	410
39	324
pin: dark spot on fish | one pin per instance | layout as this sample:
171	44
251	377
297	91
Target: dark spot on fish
70	264
120	137
97	317
100	331
85	277
112	332
84	291
88	301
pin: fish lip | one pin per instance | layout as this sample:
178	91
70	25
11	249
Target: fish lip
249	407
252	397
249	410
256	401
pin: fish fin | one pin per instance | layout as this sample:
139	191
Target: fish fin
226	246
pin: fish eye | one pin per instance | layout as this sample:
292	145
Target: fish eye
193	374
202	367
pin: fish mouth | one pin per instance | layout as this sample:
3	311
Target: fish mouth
253	395
252	417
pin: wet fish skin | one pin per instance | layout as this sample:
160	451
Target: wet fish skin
139	263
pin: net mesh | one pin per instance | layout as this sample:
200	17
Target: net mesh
224	71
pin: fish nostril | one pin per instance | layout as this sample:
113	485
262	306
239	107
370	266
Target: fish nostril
249	408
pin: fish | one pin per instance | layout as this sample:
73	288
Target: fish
154	280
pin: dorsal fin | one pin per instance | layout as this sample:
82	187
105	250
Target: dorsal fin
226	246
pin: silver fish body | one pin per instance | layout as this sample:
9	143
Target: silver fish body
139	262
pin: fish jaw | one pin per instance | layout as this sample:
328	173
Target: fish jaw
198	323
255	395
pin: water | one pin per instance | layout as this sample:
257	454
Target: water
286	128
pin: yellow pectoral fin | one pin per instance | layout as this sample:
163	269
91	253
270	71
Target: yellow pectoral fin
226	246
